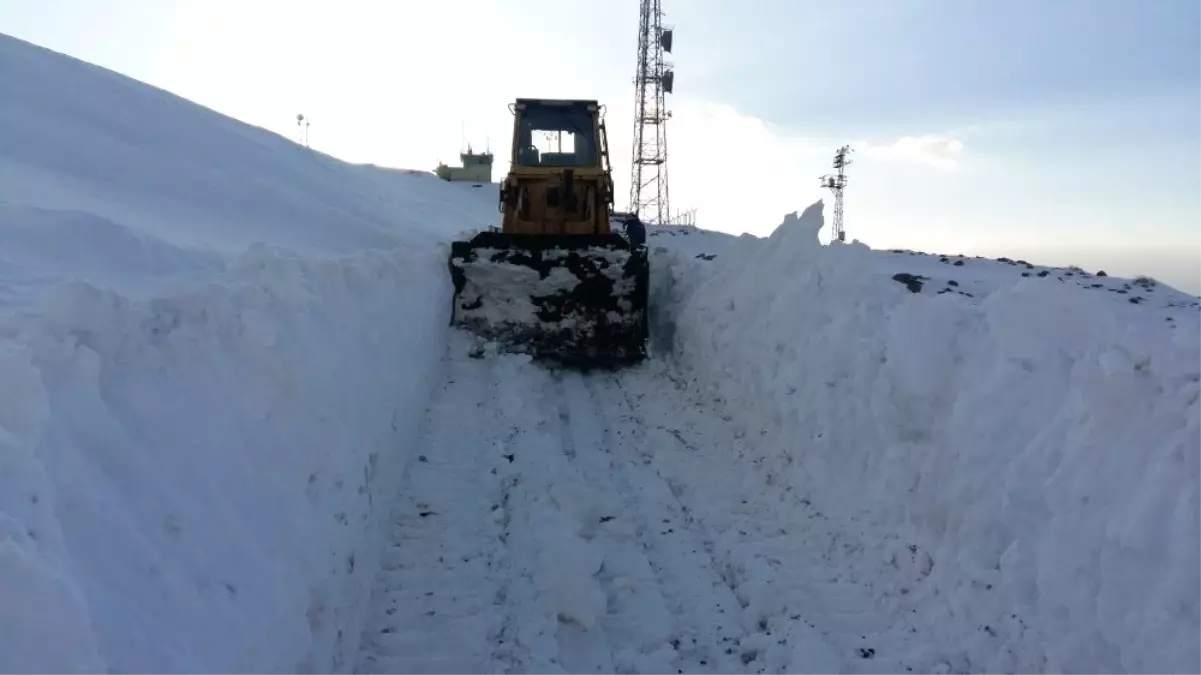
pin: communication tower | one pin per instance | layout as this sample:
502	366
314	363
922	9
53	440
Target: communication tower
837	183
654	80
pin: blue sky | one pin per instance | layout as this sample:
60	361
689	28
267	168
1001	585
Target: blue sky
1064	131
946	63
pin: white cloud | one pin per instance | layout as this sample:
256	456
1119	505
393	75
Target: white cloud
743	173
938	150
738	171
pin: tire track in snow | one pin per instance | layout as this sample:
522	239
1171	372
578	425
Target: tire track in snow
484	572
435	597
806	583
555	624
694	610
521	643
487	570
609	523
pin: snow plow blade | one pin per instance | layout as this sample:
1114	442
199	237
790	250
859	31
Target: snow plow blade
578	300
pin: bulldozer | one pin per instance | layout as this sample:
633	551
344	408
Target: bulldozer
557	280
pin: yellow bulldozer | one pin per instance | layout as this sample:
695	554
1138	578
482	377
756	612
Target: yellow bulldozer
557	280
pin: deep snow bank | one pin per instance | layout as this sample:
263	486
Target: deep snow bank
214	347
189	481
1026	452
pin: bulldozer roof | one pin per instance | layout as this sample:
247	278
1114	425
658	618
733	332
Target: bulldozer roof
566	102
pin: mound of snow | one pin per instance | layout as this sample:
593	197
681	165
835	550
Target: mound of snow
214	347
1029	448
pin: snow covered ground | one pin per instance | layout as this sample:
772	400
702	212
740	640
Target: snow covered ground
237	434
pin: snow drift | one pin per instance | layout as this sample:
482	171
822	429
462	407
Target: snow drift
1028	451
214	347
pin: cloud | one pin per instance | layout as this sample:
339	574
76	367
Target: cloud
937	150
743	173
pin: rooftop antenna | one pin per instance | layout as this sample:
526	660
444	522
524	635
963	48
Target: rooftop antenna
837	183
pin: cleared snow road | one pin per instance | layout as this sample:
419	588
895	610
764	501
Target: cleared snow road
553	521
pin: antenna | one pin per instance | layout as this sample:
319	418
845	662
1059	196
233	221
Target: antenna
838	182
302	130
654	79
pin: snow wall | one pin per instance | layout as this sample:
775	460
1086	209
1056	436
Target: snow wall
1037	455
214	348
190	482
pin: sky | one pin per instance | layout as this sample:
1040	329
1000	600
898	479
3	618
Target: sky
1059	131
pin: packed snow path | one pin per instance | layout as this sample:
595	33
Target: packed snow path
555	521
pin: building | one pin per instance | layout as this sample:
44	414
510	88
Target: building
475	169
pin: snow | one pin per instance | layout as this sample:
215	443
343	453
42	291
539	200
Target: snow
499	292
140	186
499	285
552	302
214	346
1038	439
237	434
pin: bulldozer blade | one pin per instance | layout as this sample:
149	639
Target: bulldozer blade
579	300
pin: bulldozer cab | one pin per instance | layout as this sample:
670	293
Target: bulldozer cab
556	134
559	180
